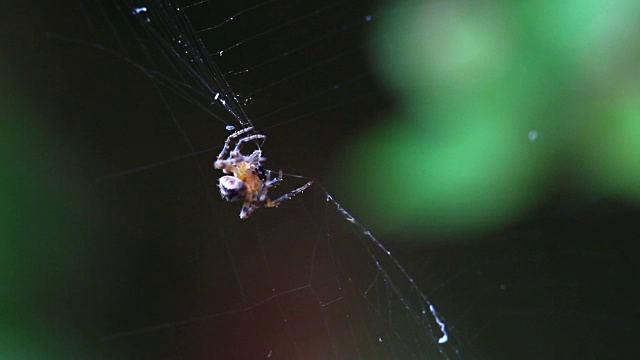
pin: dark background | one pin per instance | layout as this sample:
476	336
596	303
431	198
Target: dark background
88	259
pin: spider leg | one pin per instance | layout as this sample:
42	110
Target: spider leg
247	210
287	196
273	182
236	151
227	143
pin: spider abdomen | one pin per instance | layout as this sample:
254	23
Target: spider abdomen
232	188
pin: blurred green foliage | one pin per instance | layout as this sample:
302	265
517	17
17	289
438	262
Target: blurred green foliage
44	237
499	104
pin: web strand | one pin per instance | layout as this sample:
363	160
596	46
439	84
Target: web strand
304	278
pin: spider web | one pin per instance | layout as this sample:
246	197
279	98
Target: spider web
303	281
186	278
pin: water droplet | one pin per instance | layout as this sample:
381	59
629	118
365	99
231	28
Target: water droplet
139	10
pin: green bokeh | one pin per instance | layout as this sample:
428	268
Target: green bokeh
45	242
497	101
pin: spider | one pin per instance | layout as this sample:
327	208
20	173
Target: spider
249	181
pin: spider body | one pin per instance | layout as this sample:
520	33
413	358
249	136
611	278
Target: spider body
246	179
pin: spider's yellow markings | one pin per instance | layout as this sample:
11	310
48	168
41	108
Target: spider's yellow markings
247	173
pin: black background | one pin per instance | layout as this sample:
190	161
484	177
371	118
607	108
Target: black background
562	283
